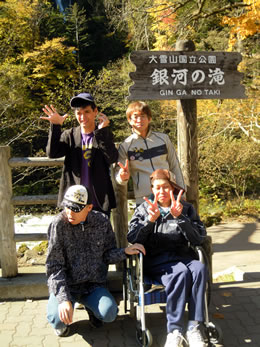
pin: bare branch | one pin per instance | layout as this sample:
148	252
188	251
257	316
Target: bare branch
247	133
217	134
17	122
17	137
199	14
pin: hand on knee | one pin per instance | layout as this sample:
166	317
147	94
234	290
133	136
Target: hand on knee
110	315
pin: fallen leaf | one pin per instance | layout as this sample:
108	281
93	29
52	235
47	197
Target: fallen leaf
226	294
218	316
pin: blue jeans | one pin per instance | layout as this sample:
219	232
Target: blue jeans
100	302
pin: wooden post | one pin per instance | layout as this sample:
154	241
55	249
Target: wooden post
8	244
120	213
187	138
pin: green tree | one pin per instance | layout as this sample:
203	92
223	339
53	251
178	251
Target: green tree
19	25
76	29
156	24
228	166
30	68
50	66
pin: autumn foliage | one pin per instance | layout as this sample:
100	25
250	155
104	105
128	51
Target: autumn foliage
244	24
47	56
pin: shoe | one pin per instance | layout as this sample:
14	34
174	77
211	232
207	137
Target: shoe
62	332
194	337
94	321
174	339
79	306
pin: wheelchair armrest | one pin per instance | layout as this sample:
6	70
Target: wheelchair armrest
205	257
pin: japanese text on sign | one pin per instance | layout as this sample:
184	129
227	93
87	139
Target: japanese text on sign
180	76
184	75
182	59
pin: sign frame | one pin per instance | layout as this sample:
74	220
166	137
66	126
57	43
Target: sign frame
176	75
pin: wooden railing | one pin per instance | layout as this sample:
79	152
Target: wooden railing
8	237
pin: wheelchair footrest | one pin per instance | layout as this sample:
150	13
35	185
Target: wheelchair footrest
155	295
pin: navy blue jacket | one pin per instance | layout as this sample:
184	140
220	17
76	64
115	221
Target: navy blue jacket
167	239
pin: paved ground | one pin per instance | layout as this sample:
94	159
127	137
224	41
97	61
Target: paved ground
235	306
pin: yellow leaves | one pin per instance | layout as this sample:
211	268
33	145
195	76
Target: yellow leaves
164	22
24	8
44	59
247	24
161	42
49	47
19	23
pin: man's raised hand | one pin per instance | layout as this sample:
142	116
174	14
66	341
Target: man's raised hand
153	209
124	171
176	206
103	120
53	115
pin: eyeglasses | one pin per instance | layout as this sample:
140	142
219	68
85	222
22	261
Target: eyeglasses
142	116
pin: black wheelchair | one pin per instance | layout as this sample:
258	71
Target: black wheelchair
139	291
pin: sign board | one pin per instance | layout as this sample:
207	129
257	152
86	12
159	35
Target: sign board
168	75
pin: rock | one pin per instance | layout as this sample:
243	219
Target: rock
22	249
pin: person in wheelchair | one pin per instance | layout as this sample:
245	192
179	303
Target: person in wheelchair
166	226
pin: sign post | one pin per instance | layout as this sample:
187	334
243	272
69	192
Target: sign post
186	75
187	138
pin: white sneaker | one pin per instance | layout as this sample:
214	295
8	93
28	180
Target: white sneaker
174	339
62	332
194	337
79	306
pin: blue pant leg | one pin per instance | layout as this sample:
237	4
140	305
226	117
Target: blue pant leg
102	304
197	296
177	282
53	312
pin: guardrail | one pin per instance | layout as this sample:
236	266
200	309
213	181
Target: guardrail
8	236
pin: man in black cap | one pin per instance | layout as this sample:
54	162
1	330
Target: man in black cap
81	244
88	149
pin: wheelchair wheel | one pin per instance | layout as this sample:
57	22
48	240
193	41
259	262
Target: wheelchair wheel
214	333
146	340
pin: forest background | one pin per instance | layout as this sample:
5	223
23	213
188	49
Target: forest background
51	50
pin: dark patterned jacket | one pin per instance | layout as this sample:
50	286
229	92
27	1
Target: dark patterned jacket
68	144
78	255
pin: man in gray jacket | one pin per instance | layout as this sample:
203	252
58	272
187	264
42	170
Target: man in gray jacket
145	151
81	245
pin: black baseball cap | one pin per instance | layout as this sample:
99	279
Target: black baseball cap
77	100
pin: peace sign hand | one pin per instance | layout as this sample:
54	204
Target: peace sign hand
176	206
53	115
124	171
153	209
